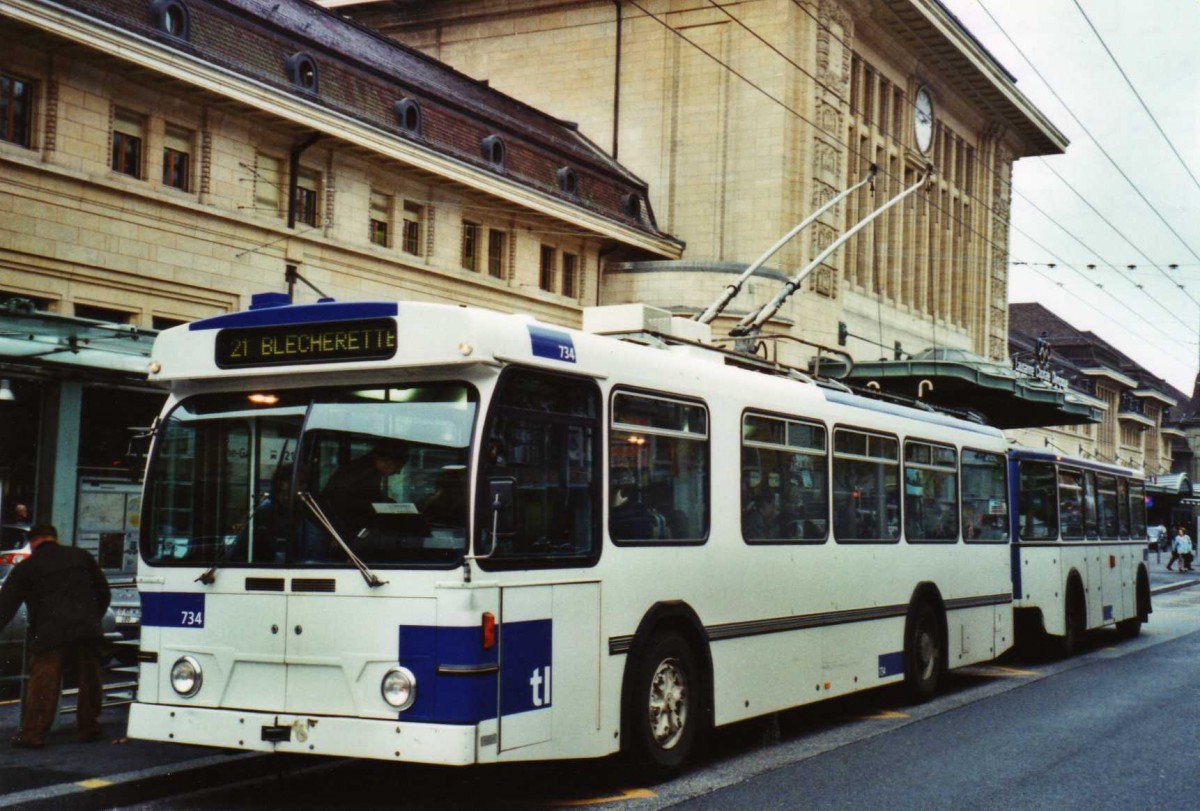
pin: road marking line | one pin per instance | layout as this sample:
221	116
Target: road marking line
986	671
881	715
626	794
94	783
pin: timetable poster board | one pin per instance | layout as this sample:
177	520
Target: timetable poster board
108	516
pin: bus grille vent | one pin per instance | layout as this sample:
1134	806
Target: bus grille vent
326	585
264	584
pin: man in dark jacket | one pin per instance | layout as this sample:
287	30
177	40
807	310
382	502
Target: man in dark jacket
66	595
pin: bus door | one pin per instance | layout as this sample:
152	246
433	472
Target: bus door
549	662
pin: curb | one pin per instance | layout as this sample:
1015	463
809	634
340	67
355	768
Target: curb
1183	584
160	781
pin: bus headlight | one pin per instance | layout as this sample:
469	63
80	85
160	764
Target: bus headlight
186	676
399	688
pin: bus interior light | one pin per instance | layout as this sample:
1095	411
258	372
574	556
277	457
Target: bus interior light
261	398
489	630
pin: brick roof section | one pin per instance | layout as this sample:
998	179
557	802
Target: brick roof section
362	74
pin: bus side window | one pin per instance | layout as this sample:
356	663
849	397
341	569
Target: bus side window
658	469
543	432
1037	502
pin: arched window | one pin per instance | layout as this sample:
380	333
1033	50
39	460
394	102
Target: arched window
568	181
171	17
302	72
494	151
408	115
633	205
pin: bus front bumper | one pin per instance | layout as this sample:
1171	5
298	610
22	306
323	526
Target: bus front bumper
313	735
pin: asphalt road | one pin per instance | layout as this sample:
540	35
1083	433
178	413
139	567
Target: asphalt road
1097	731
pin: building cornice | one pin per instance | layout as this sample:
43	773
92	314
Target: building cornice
117	43
1151	394
1111	374
1039	132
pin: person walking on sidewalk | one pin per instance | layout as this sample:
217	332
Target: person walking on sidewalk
1183	547
66	595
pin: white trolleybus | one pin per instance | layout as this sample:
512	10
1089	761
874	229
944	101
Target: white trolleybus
430	533
1078	534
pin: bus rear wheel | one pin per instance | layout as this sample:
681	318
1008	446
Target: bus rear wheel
922	653
665	709
1069	643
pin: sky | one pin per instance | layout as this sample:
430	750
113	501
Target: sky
1119	196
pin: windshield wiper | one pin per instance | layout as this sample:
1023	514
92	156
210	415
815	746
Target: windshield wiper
367	574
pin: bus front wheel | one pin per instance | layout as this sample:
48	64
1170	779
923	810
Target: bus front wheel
666	706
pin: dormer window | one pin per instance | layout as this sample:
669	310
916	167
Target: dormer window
171	17
494	151
408	115
568	181
633	205
302	72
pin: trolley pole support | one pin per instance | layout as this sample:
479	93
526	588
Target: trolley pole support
753	322
733	289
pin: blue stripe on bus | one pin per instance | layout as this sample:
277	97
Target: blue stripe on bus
475	691
1108	613
300	314
172	609
552	344
891	664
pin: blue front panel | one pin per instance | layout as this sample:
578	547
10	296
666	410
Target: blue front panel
552	344
1108	613
464	698
170	609
448	698
527	655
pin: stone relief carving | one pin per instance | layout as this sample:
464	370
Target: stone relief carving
824	281
829	118
822	193
822	237
825	159
833	57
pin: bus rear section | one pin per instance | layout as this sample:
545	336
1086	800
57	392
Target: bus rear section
1078	537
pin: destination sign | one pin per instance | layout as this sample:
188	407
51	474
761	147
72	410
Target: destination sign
325	342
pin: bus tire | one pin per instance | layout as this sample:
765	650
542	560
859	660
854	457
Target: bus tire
923	652
1069	643
665	710
1130	628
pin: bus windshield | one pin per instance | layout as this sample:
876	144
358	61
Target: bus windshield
386	467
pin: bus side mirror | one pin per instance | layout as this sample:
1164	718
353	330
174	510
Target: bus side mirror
501	496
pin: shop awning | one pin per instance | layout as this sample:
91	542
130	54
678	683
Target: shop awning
49	340
961	380
1175	484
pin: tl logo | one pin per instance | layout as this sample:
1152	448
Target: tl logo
540	679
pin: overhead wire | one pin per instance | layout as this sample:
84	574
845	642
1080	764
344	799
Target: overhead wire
1093	139
990	170
847	146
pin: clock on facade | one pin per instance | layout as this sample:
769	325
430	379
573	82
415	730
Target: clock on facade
923	120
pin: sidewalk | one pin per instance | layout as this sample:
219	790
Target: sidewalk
67	774
117	771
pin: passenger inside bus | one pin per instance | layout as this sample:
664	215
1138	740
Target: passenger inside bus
629	519
353	491
447	505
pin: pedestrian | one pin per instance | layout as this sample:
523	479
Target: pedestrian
1183	547
1174	554
66	596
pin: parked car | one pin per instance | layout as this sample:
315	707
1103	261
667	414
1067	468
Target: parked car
12	637
1158	539
14	544
127	609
